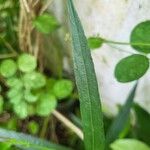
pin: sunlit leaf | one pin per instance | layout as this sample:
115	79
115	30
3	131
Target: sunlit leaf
140	37
46	104
21	109
62	88
8	68
29	97
27	63
13	82
129	144
46	23
131	68
34	80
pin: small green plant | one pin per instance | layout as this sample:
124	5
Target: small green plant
134	66
30	92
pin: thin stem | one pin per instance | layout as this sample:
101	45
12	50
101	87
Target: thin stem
25	3
125	43
46	6
68	123
44	127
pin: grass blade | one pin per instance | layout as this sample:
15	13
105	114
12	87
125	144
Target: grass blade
87	85
121	120
27	141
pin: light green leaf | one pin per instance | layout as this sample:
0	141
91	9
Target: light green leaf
16	99
46	104
87	85
121	120
28	142
140	37
14	82
21	109
129	144
63	88
95	42
46	23
27	63
34	80
29	97
8	68
13	92
131	68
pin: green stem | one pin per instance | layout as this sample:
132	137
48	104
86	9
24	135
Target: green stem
125	43
44	127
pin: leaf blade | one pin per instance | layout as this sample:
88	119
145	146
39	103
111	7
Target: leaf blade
87	86
28	140
122	118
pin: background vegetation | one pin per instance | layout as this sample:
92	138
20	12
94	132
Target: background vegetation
39	102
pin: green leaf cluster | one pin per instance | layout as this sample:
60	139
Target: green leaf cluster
30	92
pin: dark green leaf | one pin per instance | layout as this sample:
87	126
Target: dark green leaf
121	120
95	42
142	124
87	85
33	127
46	23
140	37
31	143
129	144
131	68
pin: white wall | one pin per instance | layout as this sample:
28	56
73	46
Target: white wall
114	19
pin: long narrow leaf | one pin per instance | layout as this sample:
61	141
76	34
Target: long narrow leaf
27	141
121	120
87	85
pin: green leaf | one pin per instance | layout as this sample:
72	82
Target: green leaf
27	63
46	23
131	68
121	120
140	37
14	82
33	127
34	80
29	141
5	146
129	144
95	42
142	127
63	88
21	109
13	92
29	97
46	104
8	68
91	113
16	99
